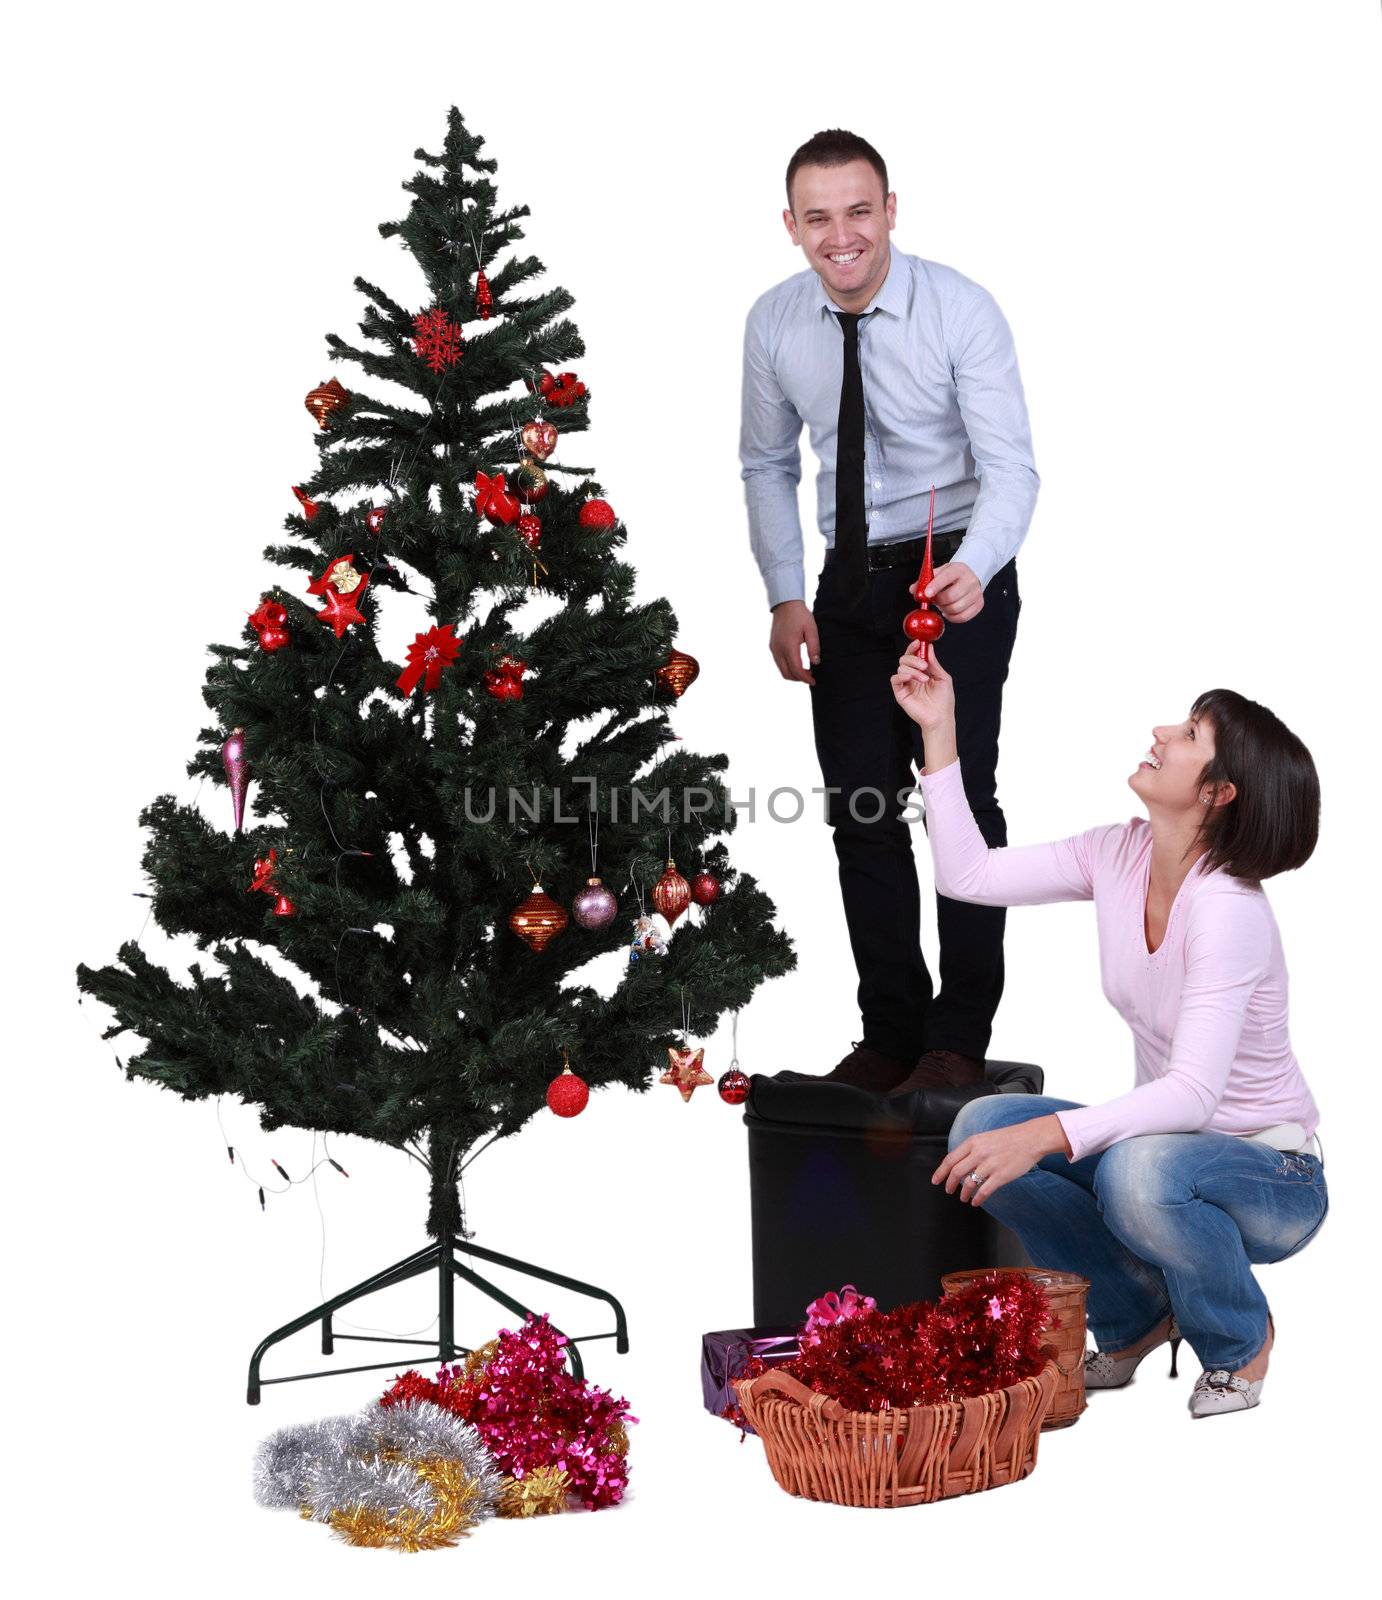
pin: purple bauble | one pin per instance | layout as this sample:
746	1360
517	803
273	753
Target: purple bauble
594	906
237	773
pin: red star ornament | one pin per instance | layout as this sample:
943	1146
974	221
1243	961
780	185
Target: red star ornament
685	1072
340	609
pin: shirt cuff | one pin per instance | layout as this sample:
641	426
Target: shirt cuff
1071	1122
940	781
980	560
785	581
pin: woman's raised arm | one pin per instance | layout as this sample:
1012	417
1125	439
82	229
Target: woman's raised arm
966	869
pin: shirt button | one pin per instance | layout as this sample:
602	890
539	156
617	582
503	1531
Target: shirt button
877	484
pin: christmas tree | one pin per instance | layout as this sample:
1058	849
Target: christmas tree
400	812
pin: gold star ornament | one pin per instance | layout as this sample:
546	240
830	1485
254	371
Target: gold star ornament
685	1072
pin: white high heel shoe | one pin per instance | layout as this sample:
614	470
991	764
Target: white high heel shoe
1217	1390
1103	1371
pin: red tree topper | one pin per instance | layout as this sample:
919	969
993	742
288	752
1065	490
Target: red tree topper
924	623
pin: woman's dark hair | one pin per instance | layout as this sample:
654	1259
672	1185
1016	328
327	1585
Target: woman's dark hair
835	148
1273	820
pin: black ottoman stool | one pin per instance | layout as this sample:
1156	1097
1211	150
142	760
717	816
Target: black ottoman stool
840	1192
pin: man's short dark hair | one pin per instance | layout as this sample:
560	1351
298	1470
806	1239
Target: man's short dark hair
835	147
1273	820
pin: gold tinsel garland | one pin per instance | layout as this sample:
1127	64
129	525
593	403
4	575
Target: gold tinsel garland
539	1493
458	1498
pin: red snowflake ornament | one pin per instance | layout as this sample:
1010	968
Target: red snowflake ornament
437	339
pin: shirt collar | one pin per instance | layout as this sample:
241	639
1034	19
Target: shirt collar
892	297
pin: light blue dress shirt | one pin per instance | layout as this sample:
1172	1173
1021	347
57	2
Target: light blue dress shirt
943	405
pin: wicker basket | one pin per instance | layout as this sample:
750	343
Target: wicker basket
1065	1332
821	1451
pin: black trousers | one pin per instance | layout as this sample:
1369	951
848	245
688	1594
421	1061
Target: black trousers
866	746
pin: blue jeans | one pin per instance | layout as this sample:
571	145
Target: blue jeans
1158	1223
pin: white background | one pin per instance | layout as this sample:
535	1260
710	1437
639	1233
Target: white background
1174	207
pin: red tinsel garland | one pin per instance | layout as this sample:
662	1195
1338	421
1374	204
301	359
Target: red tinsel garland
987	1336
531	1412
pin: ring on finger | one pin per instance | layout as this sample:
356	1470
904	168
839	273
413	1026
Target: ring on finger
972	1177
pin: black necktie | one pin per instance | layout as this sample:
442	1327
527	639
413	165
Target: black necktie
851	528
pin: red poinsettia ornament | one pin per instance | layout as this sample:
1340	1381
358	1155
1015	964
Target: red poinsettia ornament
428	657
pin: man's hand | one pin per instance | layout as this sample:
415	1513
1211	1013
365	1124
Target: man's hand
986	1161
793	627
956	592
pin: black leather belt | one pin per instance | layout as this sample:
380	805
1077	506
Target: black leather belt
908	552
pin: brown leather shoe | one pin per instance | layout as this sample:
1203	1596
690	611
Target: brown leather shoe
942	1069
867	1068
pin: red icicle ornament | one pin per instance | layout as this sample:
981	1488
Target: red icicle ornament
237	774
484	300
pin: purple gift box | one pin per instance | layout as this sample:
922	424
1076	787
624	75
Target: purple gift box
725	1355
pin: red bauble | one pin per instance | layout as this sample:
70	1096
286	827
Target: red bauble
493	499
284	907
926	625
484	300
705	888
324	399
309	507
678	672
539	438
539	919
671	893
374	519
733	1087
532	482
269	621
530	530
597	516
567	1094
504	679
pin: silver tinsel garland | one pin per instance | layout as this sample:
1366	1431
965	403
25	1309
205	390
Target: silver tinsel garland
345	1483
336	1463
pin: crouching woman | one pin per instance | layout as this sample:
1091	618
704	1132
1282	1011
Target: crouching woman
1166	1196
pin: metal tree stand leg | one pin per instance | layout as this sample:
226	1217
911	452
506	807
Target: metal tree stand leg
438	1257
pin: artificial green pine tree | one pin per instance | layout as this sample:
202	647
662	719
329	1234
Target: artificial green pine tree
419	1019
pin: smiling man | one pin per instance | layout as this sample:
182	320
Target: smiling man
904	374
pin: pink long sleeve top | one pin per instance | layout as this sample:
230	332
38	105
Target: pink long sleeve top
1207	1008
